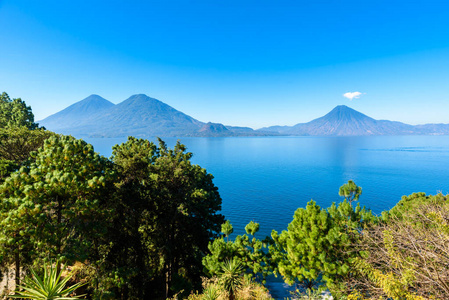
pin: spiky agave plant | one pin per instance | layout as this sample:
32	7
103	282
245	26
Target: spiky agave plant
230	277
49	287
211	292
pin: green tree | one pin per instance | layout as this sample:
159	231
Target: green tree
350	191
130	266
412	203
227	229
187	203
16	144
304	252
15	113
249	251
55	206
174	207
317	249
252	228
221	251
19	135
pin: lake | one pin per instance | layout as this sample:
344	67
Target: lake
265	179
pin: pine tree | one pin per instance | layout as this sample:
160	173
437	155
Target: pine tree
317	249
55	207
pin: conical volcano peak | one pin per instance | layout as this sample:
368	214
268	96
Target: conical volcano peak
93	97
343	112
342	108
71	116
92	100
344	121
143	102
140	98
93	103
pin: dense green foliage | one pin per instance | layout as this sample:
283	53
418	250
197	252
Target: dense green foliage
317	249
246	250
165	214
15	113
19	135
16	144
145	217
55	206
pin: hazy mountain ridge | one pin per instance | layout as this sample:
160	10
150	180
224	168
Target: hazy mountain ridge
143	116
139	115
434	129
77	113
345	121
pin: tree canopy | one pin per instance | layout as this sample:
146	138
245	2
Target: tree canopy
19	134
250	252
316	250
350	191
15	113
166	213
55	206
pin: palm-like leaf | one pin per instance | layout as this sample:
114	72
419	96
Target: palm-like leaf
49	287
230	276
211	292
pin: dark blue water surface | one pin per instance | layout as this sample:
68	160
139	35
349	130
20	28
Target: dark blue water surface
265	179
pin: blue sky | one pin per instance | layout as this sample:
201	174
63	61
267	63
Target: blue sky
247	63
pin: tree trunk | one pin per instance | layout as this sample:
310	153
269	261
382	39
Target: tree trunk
169	265
231	295
17	259
167	280
58	249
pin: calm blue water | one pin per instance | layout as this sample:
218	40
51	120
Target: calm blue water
265	179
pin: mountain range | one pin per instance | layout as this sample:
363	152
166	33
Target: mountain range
142	116
345	121
139	115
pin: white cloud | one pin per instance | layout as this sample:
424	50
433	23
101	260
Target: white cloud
353	95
